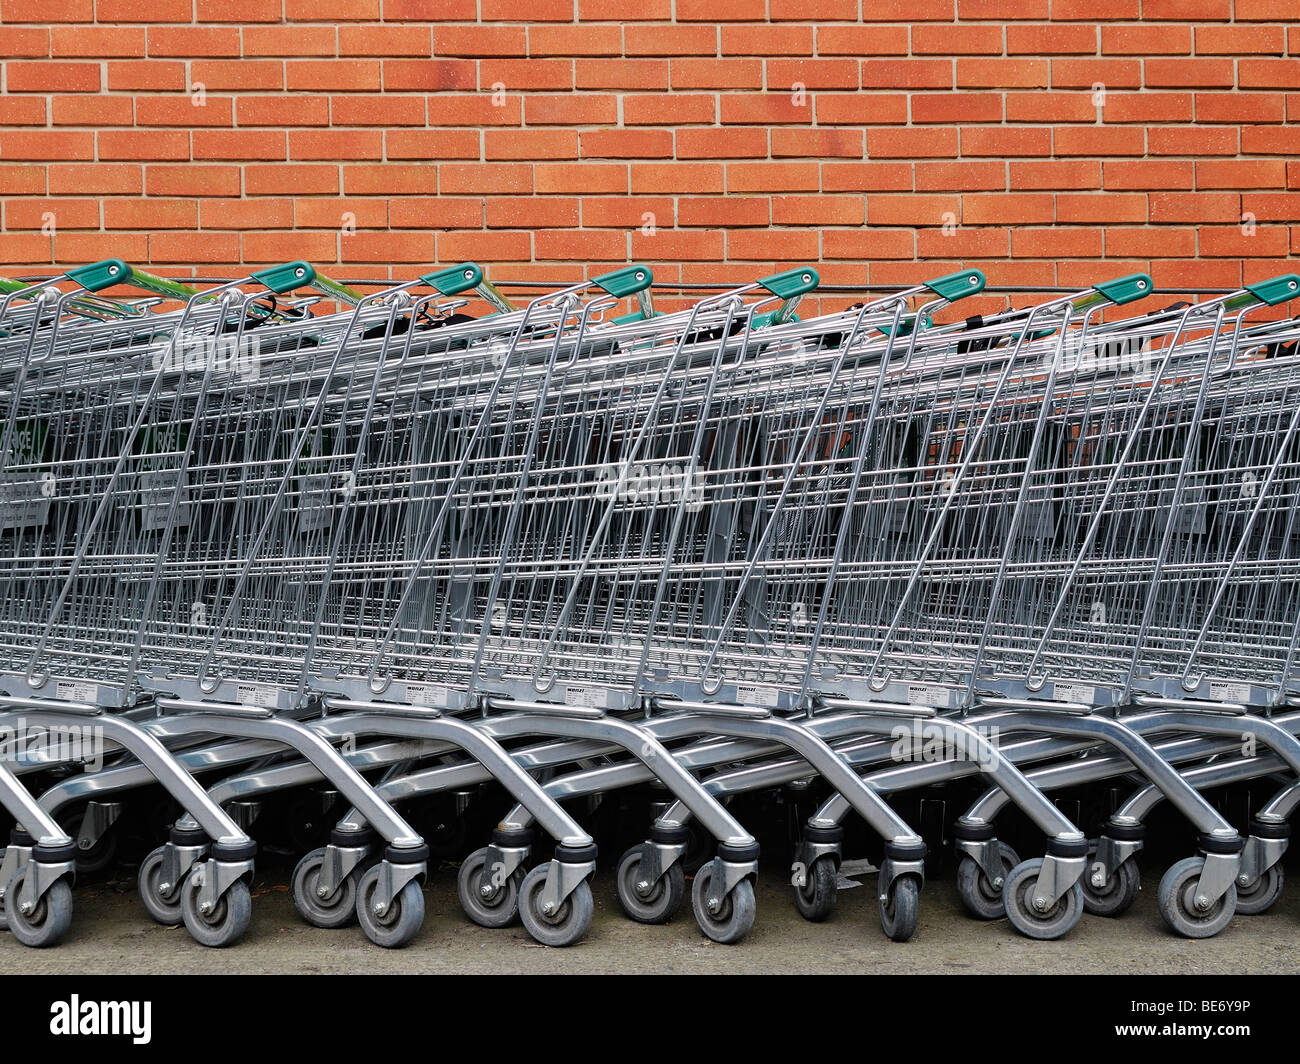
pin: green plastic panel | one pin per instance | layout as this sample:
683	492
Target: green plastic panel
101	275
286	277
1125	289
955	286
455	279
792	283
625	282
1276	289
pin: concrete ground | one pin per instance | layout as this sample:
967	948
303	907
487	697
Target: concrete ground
111	934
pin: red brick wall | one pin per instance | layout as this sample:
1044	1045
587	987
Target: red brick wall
365	135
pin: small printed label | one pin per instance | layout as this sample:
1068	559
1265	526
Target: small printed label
71	691
1074	692
314	509
250	695
592	697
923	695
1230	692
156	492
24	502
758	696
427	695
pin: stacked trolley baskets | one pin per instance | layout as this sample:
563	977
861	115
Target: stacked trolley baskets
395	551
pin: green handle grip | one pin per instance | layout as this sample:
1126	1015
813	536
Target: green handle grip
1275	290
100	275
162	286
625	282
791	283
455	279
286	277
1119	291
958	285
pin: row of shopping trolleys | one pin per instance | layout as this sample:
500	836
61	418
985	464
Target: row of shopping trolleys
274	534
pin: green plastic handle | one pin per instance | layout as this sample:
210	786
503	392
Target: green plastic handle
455	279
625	282
792	283
1119	291
1275	290
958	285
162	286
286	277
100	275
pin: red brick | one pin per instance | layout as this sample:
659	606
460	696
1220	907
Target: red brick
962	243
30	110
770	177
27	247
1163	241
1185	140
1192	73
292	41
1146	40
144	144
532	212
195	247
673	246
909	74
716	73
391	179
689	177
68	213
430	10
1101	207
484	247
185	41
1148	108
27	42
1055	174
284	111
766	108
179	111
1051	40
1050	107
150	214
813	210
299	179
530	144
1085	73
538	10
51	77
1195	207
91	247
864	109
1264	10
770	245
261	246
812	74
586	179
191	179
1239	40
1147	174
385	41
764	40
335	74
587	245
217	74
817	143
624	73
571	110
97	42
619	10
331	10
481	178
1272	206
239	144
1004	141
957	40
1240	107
1268	73
334	144
912	143
516	74
673	109
1240	173
909	11
732	11
476	110
627	144
1097	140
1019	208
630	211
868	245
1232	242
313	214
957	108
722	143
442	212
912	210
1027	243
673	40
570	40
967	175
865	177
816	10
246	214
1003	73
1188	10
45	11
1270	140
862	40
1002	9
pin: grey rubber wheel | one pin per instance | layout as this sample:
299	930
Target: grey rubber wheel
401	923
500	909
657	905
339	909
1118	894
1261	895
97	857
981	897
815	899
900	908
568	924
1018	893
164	908
1177	902
734	920
45	925
226	923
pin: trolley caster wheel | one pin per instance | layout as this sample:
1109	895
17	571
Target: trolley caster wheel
734	918
226	923
396	927
815	897
660	901
98	856
568	924
1018	896
1261	895
164	907
900	908
1177	901
982	898
46	924
338	909
501	908
1117	895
